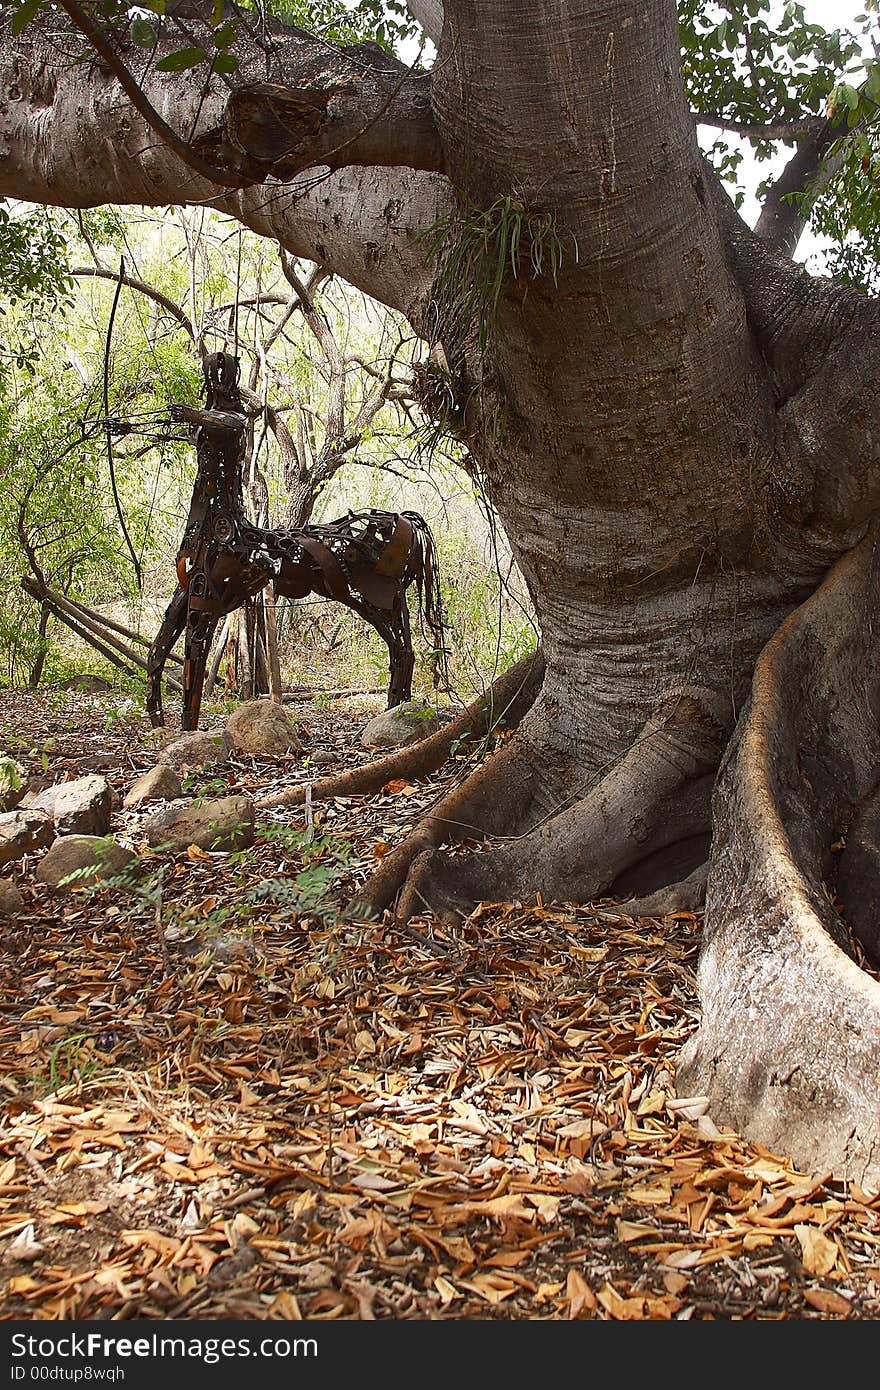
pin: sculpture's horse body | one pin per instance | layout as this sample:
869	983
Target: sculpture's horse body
366	560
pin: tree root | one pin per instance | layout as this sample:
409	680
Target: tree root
657	797
858	876
470	811
509	697
688	895
789	1046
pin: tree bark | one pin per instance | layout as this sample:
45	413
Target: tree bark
789	1044
273	661
36	672
68	137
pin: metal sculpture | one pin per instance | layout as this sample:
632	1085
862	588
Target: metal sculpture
365	560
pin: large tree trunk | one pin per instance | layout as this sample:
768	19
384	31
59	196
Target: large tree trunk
678	430
777	961
662	525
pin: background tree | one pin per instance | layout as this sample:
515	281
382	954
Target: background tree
676	425
330	395
350	436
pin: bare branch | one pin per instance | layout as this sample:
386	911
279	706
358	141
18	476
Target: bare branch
323	334
83	272
317	323
774	130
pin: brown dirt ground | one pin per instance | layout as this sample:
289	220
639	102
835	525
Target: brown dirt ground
229	1100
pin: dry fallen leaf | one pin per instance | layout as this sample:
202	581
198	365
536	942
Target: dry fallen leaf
818	1253
284	1305
827	1301
446	1290
621	1309
674	1282
688	1107
548	1207
494	1288
581	1299
22	1283
636	1230
25	1247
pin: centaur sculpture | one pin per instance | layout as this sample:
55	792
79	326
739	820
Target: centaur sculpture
366	560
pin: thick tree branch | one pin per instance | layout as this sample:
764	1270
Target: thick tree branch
281	130
820	342
135	93
429	14
773	130
831	426
796	318
68	139
360	108
785	211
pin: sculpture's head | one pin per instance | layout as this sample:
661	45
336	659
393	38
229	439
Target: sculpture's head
221	371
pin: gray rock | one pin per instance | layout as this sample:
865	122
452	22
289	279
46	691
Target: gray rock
198	749
11	901
404	724
96	762
220	945
225	823
21	832
87	681
81	807
263	727
158	784
13	783
100	855
45	800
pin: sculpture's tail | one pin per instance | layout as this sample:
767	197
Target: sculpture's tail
425	570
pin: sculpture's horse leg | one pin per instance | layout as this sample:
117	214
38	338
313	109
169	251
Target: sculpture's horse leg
171	627
181	615
393	627
400	652
199	635
202	615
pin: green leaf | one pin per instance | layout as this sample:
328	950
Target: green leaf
181	60
225	62
24	15
225	35
142	32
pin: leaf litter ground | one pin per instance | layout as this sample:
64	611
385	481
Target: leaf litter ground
217	1105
